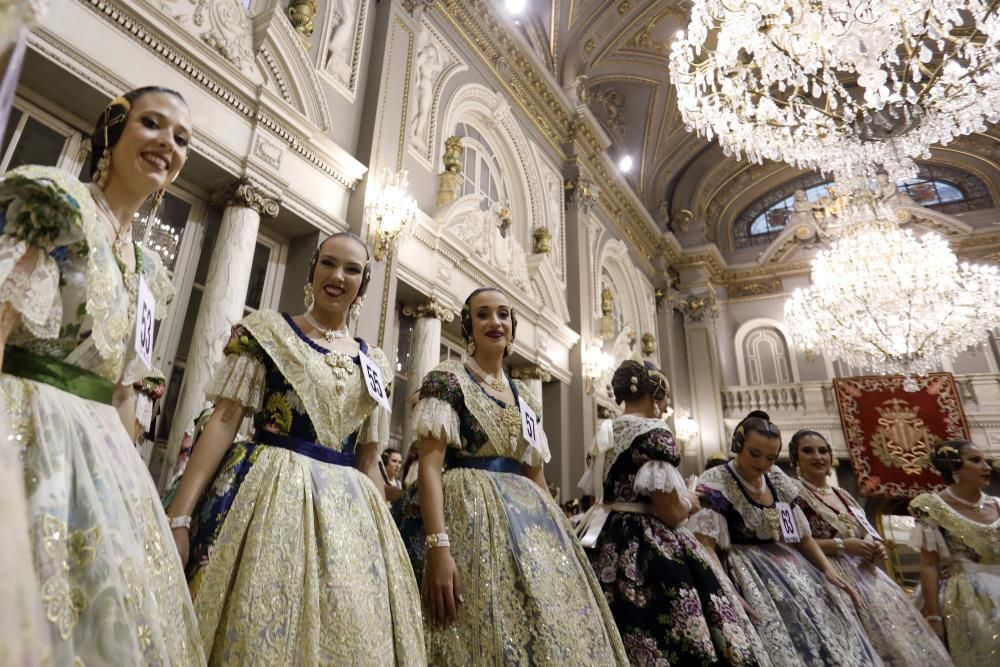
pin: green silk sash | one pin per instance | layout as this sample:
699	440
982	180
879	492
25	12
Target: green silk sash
51	371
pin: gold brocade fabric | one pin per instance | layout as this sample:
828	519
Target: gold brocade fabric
531	597
970	585
309	568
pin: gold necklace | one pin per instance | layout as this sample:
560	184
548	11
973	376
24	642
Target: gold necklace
493	383
761	486
822	490
329	335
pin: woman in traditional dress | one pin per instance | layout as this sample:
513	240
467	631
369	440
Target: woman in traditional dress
838	524
958	536
748	511
71	288
293	557
506	582
663	589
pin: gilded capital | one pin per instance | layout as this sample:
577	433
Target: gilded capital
301	13
542	238
430	308
530	373
244	194
648	344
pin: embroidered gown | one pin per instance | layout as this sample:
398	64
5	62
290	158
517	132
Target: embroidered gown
802	621
660	583
530	595
969	555
894	625
295	560
111	584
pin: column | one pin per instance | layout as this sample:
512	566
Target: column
425	352
532	376
222	302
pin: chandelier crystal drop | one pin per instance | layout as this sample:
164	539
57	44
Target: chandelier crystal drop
883	300
840	85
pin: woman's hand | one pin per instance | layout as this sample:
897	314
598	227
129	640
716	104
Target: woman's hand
182	539
858	547
442	586
839	582
695	505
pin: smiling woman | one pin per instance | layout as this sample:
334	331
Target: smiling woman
72	285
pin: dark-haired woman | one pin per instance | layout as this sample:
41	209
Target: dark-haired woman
292	554
505	582
663	589
838	524
958	536
749	512
111	587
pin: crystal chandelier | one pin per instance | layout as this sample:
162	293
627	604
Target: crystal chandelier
883	300
838	85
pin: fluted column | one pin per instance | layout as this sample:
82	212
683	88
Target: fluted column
533	377
222	301
425	351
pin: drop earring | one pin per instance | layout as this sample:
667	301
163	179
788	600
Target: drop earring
354	311
310	300
470	347
509	347
100	175
656	411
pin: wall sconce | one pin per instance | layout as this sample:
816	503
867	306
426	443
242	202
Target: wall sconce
391	209
685	428
596	363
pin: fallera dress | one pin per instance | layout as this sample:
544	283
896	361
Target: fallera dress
671	604
530	595
969	554
108	577
894	625
294	557
802	620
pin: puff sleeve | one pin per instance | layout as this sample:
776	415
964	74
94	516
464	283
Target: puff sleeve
241	375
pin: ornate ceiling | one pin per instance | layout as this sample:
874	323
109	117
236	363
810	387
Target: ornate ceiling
611	56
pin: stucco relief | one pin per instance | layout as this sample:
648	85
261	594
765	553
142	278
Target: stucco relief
434	63
223	25
479	231
338	56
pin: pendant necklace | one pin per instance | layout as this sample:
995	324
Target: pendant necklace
978	505
822	490
329	335
761	486
493	383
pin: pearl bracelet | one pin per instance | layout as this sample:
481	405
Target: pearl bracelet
931	619
437	540
838	545
180	522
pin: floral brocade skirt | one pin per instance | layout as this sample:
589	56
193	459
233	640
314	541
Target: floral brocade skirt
530	595
970	600
103	562
670	606
307	568
802	620
897	630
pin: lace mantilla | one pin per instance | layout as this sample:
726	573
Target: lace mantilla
330	385
982	538
759	520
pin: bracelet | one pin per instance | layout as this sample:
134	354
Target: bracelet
931	619
839	545
437	540
180	522
687	503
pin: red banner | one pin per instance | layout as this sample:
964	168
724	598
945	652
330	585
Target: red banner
891	432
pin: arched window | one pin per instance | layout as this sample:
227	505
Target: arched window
765	353
941	188
480	166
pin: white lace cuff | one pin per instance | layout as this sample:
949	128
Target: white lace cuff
375	428
35	294
929	538
240	378
710	524
435	418
658	476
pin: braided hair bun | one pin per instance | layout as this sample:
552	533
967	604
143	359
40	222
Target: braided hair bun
633	380
947	457
757	421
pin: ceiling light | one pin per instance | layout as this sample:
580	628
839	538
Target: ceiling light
625	164
516	6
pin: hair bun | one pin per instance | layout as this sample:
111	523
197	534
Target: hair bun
760	414
947	457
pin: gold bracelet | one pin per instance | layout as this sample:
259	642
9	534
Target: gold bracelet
931	619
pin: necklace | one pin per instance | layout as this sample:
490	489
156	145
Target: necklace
822	490
761	486
493	383
978	505
329	334
123	233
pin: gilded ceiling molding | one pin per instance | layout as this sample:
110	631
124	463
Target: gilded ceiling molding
753	288
142	33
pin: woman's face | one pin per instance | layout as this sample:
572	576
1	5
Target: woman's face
975	470
154	144
758	454
815	456
492	326
337	277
